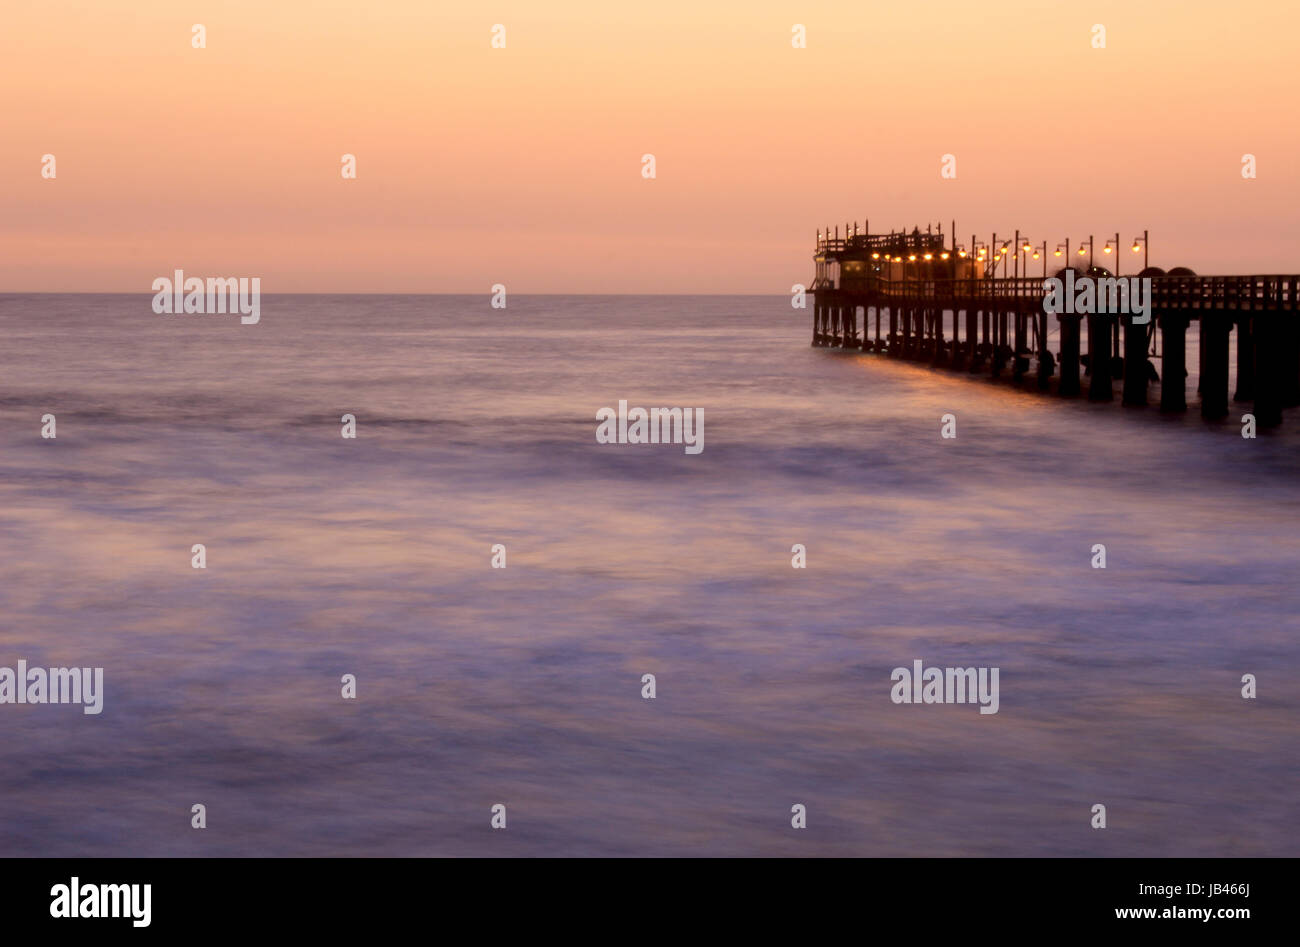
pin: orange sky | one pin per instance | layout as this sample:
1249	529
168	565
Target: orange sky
522	165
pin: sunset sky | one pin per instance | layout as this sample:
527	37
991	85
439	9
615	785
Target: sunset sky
522	165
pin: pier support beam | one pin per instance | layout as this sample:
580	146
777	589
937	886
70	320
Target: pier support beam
957	361
1135	362
1046	364
1019	364
999	343
1271	364
985	348
1215	327
1099	355
1290	352
1071	329
1245	359
1173	363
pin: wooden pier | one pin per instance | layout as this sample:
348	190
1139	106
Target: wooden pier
903	284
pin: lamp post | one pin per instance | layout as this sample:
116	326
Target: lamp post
1114	323
1146	254
999	255
1113	246
1024	247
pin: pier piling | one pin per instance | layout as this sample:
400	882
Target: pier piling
1215	328
1099	344
1173	363
1135	362
1245	360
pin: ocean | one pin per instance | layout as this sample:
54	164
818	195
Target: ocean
522	686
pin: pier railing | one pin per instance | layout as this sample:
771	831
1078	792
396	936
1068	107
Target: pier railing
894	242
1271	293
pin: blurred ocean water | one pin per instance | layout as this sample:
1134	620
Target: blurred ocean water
522	686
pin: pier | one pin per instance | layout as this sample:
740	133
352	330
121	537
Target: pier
903	284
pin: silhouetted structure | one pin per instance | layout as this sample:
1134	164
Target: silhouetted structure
908	281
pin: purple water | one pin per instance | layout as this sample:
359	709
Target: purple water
522	686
